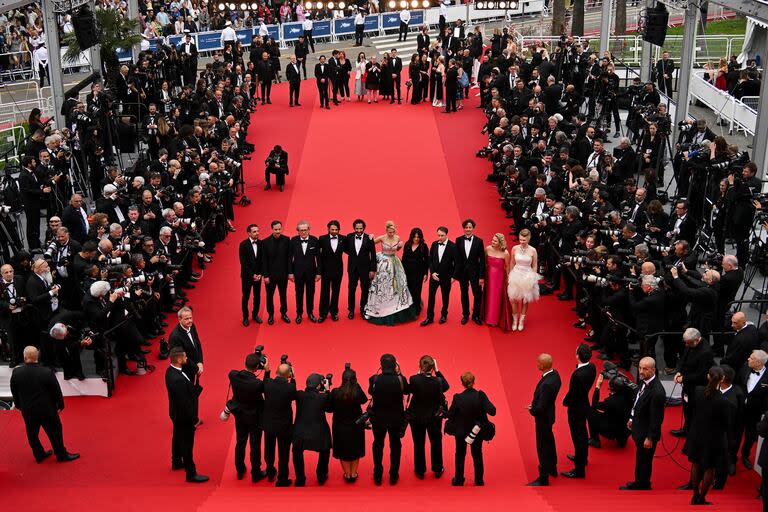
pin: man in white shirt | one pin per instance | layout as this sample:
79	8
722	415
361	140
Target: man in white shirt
307	25
228	36
405	18
754	381
359	28
41	63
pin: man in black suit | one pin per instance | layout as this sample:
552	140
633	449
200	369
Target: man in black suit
279	394
692	370
470	270
275	270
37	394
251	262
293	75
645	423
188	53
182	408
277	164
451	86
248	394
395	69
665	68
32	191
185	336
331	271
542	408
735	397
577	402
442	270
323	76
361	265
75	218
648	307
753	379
762	459
742	344
43	295
13	313
334	69
386	390
731	279
304	269
311	431
428	389
266	75
681	225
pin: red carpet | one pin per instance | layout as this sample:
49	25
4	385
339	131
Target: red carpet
416	167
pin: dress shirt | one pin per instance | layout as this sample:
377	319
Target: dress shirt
645	385
255	246
754	378
467	245
334	243
304	244
180	371
191	338
358	243
440	251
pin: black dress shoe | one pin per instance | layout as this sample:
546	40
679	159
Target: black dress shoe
68	457
439	472
258	477
564	296
298	321
177	466
420	476
300	483
321	479
731	469
197	479
457	483
464	320
257	319
477	320
634	486
284	483
573	474
542	481
240	474
196	274
320	319
443	319
593	442
335	318
351	315
393	479
268	187
285	319
49	453
270	319
479	483
679	432
426	322
312	318
271	475
746	463
377	479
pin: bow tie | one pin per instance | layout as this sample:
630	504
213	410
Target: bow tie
440	243
334	237
756	372
304	241
359	237
254	242
468	238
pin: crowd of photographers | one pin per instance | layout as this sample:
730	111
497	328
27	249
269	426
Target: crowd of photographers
111	272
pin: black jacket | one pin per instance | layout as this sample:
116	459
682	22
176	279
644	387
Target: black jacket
279	394
365	261
649	312
472	266
741	346
386	391
179	338
469	408
36	392
426	395
37	293
545	397
331	263
251	264
445	268
182	398
305	264
577	398
248	392
30	188
694	366
649	412
75	223
276	257
756	402
311	430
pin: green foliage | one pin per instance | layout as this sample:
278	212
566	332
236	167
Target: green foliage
734	27
115	31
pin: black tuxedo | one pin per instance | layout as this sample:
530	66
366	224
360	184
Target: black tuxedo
359	264
323	72
741	347
266	74
577	402
45	306
275	268
31	194
15	323
37	394
304	265
279	394
427	394
470	269
735	398
182	408
194	349
75	223
251	265
395	67
647	416
248	393
542	408
311	432
755	404
293	75
445	269
331	266
469	408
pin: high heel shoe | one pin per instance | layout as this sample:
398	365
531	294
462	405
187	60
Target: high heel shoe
514	322
520	325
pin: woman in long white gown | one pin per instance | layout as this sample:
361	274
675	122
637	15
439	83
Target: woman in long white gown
523	282
389	301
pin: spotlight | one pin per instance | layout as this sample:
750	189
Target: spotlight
331	5
480	5
392	4
342	5
232	7
414	4
243	6
222	7
319	5
403	4
502	5
254	6
308	5
425	4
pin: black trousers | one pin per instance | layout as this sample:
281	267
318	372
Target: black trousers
279	177
303	63
577	423
477	459
266	90
329	295
600	424
16	337
381	431
323	90
445	291
359	34
33	227
402	34
450	99
396	87
52	428
305	284
247	432
283	442
344	87
750	436
282	288
68	353
310	40
182	446
365	283
43	72
477	296
545	449
322	464
249	285
335	89
643	462
415	285
419	433
293	91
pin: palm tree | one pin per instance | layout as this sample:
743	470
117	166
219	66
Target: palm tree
558	18
115	31
577	23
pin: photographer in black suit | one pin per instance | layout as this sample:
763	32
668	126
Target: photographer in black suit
577	402
277	164
248	395
279	394
542	408
331	271
469	409
275	270
37	394
692	370
311	431
304	269
361	265
67	329
388	416
470	271
183	410
645	421
185	336
426	411
442	269
14	316
608	418
251	262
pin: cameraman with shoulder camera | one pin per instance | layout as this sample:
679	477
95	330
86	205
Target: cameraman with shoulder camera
248	396
425	415
279	394
388	416
311	431
608	418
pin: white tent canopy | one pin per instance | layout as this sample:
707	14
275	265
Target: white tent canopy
755	41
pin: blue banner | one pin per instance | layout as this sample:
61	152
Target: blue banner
321	28
292	31
244	35
392	19
153	43
123	55
371	23
344	26
176	40
274	31
208	41
417	18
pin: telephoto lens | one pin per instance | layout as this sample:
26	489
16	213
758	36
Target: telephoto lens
472	435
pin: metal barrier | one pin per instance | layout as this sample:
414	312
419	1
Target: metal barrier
16	65
738	115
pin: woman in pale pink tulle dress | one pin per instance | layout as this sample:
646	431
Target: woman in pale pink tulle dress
523	281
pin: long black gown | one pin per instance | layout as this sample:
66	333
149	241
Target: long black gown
707	441
348	437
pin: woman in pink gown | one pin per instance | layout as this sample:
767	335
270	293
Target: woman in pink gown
496	309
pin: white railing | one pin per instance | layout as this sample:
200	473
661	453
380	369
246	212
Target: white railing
736	113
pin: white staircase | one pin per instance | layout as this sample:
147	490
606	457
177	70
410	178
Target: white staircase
405	49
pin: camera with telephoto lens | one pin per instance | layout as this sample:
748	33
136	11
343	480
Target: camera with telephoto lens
130	281
659	248
87	334
193	241
611	371
610	232
259	352
684	126
52	247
